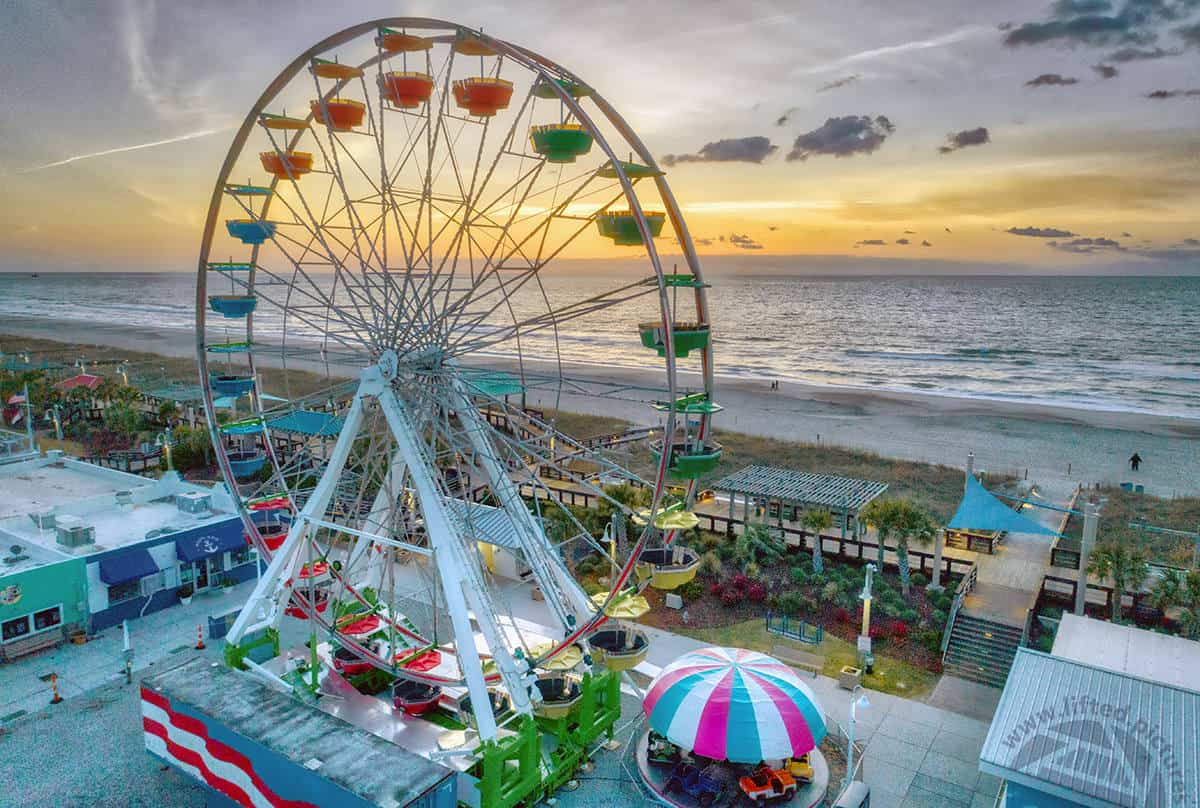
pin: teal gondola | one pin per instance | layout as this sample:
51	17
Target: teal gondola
246	464
228	385
232	306
250	231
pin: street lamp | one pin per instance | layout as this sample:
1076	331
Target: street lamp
864	639
163	441
855	703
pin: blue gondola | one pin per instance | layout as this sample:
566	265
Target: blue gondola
250	426
231	385
248	190
246	464
232	306
231	266
250	231
229	347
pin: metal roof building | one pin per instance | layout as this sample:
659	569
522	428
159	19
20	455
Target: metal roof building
1068	733
785	489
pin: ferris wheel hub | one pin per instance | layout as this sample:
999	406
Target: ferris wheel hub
388	364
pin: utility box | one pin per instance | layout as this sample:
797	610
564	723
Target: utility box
74	532
856	795
194	502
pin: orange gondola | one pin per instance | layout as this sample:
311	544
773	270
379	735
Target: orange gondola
339	114
394	41
406	89
483	96
334	70
286	165
469	45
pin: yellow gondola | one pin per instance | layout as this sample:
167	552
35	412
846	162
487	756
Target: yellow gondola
559	694
627	605
564	660
619	647
668	567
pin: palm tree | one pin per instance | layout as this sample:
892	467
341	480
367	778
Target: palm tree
1124	565
758	542
916	525
1182	592
816	521
881	514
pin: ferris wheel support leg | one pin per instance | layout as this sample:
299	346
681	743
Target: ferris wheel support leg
376	523
463	583
264	607
539	554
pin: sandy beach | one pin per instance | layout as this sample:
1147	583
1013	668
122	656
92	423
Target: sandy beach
1056	446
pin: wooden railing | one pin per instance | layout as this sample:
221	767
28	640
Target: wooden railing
960	594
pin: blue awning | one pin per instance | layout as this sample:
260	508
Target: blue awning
309	422
126	567
980	510
202	542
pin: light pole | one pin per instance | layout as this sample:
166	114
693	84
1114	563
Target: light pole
864	639
163	441
855	703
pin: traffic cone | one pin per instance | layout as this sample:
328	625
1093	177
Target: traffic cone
56	698
200	638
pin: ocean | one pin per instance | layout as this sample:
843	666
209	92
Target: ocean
1109	343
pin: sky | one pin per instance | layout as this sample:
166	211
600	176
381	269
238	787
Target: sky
1048	135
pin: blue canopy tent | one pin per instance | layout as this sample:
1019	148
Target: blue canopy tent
980	510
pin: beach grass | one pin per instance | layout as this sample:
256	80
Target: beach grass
888	675
1122	510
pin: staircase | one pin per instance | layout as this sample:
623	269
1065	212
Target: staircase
981	650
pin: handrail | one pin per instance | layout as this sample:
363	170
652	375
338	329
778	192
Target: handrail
960	594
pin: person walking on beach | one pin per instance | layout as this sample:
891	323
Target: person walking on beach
1135	461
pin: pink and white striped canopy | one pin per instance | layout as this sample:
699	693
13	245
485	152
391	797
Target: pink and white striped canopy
735	705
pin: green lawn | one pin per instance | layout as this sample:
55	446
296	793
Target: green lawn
889	676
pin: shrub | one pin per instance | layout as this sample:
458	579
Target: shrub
879	631
731	597
841	615
910	616
756	592
716	589
899	629
930	639
938	619
739	582
752	570
789	603
918	579
691	590
830	592
710	564
799	576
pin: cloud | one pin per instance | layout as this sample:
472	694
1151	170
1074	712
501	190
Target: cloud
1097	23
1105	71
1140	54
958	35
1051	80
1087	245
169	87
948	230
1160	95
910	232
871	242
730	150
926	244
843	137
787	114
1040	232
772	227
838	84
744	242
967	137
1190	34
903	241
120	149
1127	235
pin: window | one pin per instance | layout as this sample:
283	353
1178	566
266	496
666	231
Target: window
239	557
118	593
47	618
12	629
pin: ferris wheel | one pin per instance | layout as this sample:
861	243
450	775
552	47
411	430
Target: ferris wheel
375	321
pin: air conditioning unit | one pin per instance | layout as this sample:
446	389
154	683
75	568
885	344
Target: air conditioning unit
74	532
124	500
194	502
55	456
43	519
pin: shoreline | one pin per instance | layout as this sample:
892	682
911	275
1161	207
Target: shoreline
1056	445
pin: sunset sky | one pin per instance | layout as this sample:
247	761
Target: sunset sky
1031	133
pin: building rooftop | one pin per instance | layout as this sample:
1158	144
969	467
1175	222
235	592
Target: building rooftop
83	494
363	764
1128	649
1094	736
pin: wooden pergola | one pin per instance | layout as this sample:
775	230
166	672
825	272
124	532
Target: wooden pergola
781	490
